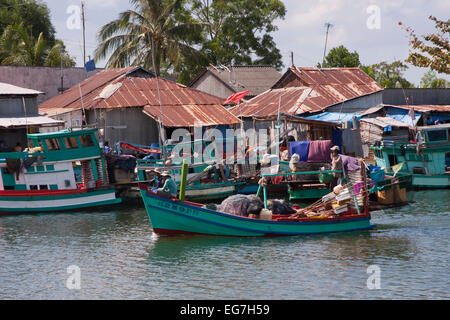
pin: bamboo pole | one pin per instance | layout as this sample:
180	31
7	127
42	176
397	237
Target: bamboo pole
184	172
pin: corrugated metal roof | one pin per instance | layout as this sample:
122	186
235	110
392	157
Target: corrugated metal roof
257	79
191	115
9	89
310	90
70	99
385	122
36	121
426	108
120	89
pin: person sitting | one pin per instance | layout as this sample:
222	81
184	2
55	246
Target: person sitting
157	182
169	189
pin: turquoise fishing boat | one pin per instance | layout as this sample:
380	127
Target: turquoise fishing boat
201	185
45	179
427	161
179	217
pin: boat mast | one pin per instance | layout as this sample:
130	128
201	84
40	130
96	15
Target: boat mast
161	143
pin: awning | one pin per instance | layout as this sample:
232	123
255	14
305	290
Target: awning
34	121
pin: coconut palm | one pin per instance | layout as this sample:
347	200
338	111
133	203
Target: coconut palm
157	27
19	48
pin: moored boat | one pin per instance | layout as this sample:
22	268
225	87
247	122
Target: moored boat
427	160
43	179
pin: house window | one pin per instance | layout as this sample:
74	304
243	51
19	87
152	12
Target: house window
86	141
52	144
70	143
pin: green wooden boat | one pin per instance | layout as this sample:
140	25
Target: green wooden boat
44	179
178	217
173	217
427	161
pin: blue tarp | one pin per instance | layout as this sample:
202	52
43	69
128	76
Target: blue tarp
403	116
336	117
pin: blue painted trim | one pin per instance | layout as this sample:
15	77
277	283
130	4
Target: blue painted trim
260	231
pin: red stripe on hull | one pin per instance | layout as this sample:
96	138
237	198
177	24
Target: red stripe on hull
39	193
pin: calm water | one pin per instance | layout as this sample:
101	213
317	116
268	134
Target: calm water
120	258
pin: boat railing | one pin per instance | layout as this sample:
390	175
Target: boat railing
19	155
299	173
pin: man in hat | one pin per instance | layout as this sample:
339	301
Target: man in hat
157	179
169	189
336	164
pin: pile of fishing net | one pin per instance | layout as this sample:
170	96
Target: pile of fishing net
242	205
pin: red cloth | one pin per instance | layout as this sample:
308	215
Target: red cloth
237	97
319	151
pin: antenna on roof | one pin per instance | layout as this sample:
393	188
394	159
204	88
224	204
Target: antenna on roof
84	32
328	26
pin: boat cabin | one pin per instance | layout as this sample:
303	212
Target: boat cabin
63	160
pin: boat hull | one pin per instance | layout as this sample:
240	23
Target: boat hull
12	202
169	217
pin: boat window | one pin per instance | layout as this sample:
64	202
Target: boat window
43	187
86	141
52	144
33	187
437	135
70	143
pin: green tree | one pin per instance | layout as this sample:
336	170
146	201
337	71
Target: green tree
19	48
341	57
154	28
430	80
235	32
388	75
35	16
432	51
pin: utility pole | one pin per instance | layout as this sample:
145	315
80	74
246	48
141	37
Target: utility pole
328	26
84	33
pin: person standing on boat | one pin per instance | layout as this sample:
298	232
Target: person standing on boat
169	189
336	164
107	148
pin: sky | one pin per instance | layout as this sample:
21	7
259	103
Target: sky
369	27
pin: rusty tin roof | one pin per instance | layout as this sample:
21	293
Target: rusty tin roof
309	90
118	88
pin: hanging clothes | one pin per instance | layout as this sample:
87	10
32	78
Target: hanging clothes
319	151
301	148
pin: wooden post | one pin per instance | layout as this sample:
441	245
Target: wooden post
184	172
265	197
366	193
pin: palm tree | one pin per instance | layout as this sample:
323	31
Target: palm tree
154	27
19	48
